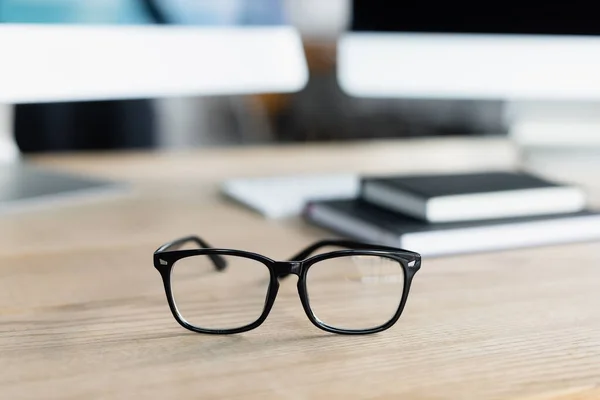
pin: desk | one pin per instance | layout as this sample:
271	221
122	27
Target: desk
83	313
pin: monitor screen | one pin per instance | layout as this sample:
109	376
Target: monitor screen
468	16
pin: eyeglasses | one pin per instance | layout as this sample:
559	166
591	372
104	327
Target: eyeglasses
361	289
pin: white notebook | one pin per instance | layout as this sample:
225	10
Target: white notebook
285	196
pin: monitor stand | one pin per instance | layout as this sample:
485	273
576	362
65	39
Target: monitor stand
555	132
24	186
9	152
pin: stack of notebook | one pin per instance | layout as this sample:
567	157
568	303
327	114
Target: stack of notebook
452	214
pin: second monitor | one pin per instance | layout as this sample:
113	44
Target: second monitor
471	50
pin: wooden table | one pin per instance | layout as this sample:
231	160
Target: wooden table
83	313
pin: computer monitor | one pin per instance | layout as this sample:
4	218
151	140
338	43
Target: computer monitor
515	50
97	61
542	58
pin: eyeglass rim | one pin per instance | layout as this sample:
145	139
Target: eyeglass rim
407	281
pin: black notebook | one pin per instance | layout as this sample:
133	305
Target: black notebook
469	197
363	221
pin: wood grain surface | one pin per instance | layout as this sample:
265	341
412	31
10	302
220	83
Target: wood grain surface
83	313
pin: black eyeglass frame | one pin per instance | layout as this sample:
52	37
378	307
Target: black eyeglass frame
168	254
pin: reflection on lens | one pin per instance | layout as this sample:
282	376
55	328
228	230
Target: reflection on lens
355	292
219	300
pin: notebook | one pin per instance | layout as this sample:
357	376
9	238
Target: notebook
474	196
363	221
286	196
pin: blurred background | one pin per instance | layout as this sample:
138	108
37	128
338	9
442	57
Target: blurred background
320	112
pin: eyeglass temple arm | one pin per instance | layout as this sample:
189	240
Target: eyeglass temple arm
342	243
218	261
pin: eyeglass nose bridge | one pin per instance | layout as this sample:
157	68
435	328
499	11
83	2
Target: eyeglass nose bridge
285	268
